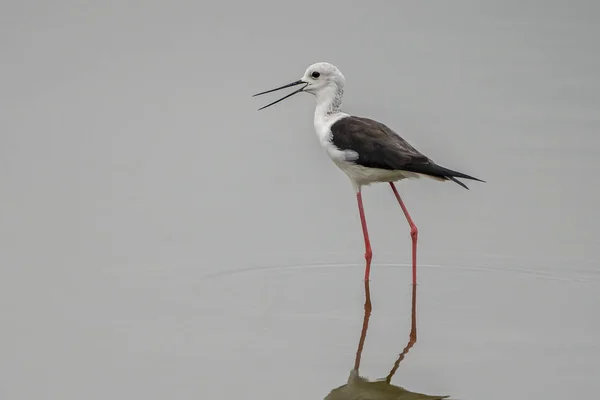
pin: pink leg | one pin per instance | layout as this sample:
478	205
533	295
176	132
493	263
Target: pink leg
414	232
363	221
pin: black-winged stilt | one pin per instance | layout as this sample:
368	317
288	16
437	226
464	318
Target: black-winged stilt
366	150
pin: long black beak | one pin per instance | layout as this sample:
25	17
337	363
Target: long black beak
300	82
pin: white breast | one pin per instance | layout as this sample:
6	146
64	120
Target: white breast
323	124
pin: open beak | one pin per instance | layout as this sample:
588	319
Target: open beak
300	82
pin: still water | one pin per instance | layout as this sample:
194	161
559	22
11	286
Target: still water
161	239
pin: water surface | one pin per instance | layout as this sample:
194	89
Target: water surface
160	239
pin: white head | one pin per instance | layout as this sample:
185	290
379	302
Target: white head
321	79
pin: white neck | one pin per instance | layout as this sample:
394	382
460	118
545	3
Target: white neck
328	109
329	101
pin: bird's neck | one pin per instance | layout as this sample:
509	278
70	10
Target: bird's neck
328	111
329	102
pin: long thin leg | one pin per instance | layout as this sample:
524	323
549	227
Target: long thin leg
365	327
363	221
412	339
414	232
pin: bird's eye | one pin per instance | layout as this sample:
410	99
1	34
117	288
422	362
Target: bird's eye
315	74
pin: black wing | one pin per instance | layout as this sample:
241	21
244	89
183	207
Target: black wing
378	146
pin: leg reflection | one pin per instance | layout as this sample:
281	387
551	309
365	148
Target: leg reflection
360	388
365	327
412	337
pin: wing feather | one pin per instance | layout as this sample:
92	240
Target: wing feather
378	146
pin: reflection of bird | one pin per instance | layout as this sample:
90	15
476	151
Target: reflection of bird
366	150
360	388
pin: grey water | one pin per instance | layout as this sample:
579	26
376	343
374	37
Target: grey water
161	239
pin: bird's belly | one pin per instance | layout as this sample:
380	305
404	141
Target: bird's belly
365	176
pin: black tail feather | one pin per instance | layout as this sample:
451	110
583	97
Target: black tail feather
452	175
453	179
439	172
448	174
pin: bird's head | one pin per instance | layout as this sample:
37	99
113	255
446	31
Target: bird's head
319	79
323	76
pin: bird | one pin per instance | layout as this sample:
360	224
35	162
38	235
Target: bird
367	151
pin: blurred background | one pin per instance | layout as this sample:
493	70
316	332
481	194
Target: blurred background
160	238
